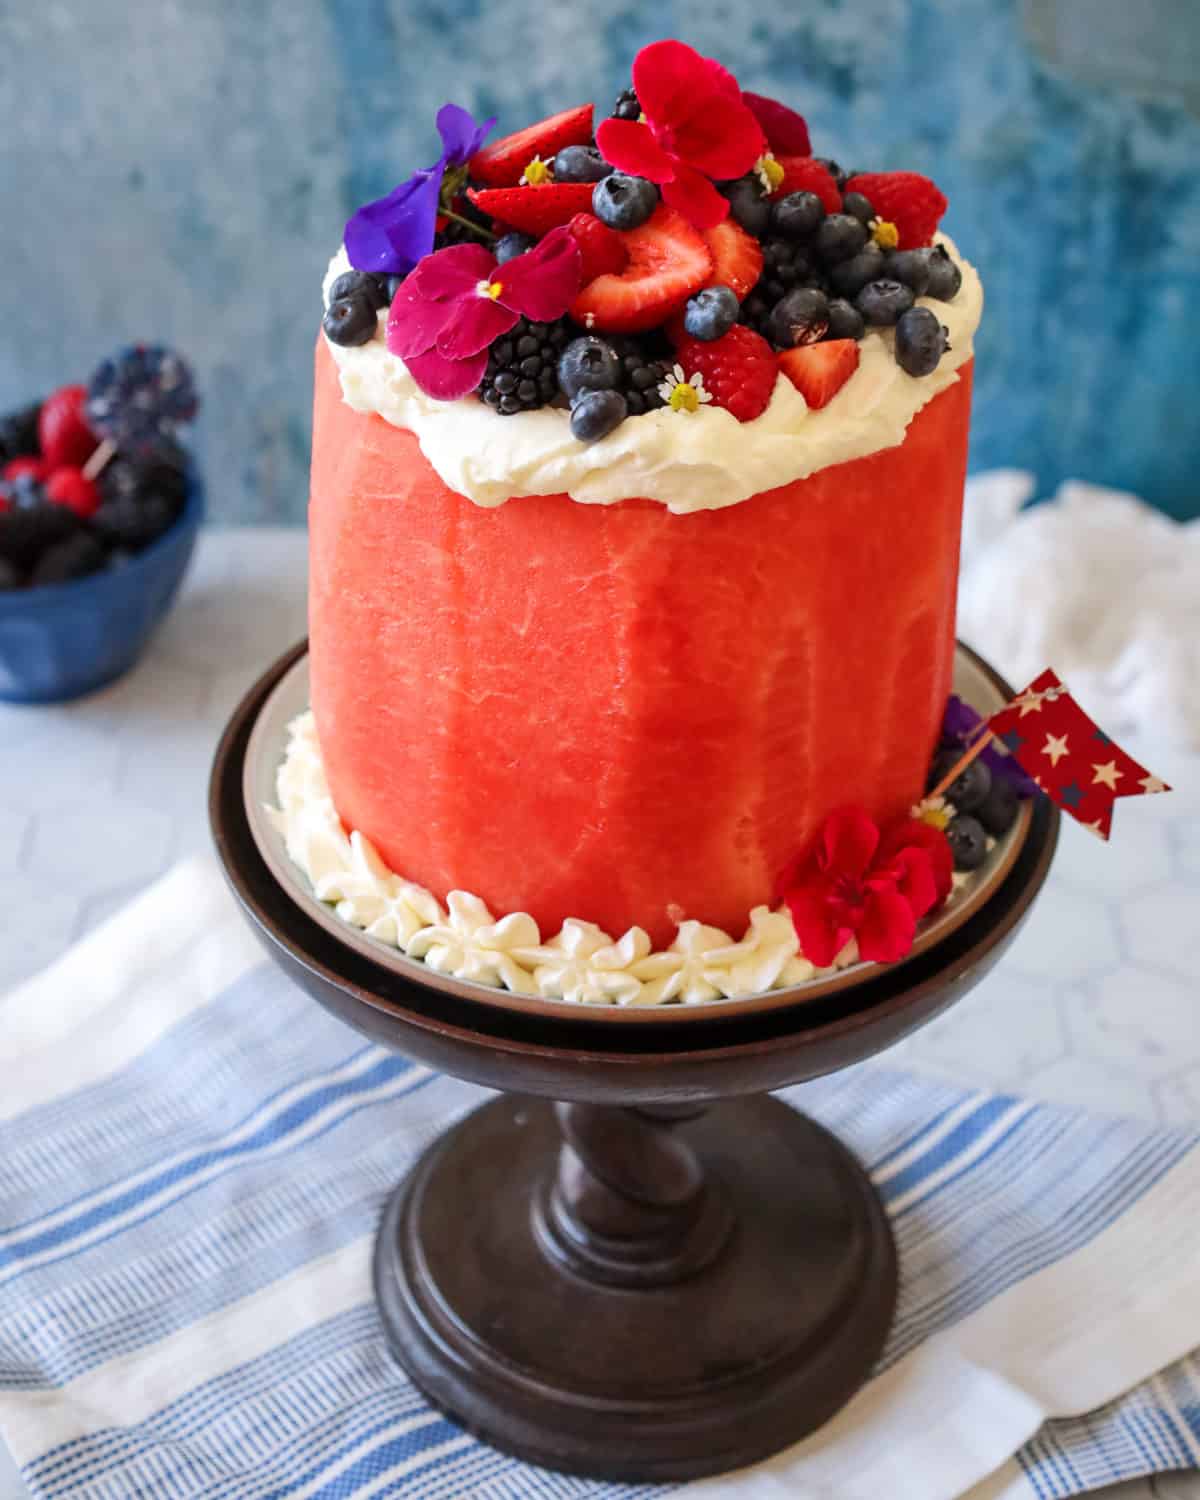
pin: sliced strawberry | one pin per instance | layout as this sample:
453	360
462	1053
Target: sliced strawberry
737	257
911	202
601	249
63	431
535	210
668	261
804	174
819	371
738	370
502	163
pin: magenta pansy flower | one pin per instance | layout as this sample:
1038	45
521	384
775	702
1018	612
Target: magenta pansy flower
457	301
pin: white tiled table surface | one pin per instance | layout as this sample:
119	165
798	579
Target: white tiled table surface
1097	1005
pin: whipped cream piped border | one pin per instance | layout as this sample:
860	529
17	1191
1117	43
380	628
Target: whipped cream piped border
581	963
690	461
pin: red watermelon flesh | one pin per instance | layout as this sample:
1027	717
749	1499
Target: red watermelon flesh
616	713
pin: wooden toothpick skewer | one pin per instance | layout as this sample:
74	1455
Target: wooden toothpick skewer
98	459
961	764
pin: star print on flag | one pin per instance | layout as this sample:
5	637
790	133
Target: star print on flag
1071	758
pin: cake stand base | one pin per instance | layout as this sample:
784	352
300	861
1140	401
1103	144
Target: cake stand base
638	1294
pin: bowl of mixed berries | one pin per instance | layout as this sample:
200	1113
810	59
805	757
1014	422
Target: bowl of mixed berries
100	506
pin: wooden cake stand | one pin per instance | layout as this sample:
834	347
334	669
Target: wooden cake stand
634	1263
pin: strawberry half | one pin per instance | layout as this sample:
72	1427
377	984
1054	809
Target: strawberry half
737	257
668	261
68	487
738	369
63	432
601	249
502	163
804	174
911	202
536	210
819	371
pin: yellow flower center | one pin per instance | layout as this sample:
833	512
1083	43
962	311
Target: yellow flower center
936	817
490	289
885	234
770	168
684	397
641	119
537	172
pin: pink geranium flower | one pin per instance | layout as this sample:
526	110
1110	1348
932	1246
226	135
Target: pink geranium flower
697	127
457	301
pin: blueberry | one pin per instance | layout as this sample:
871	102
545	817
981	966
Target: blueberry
594	414
920	341
998	811
840	237
26	490
711	313
350	320
801	317
849	277
512	244
74	557
945	277
845	320
970	788
747	206
623	202
580	164
909	266
797	216
840	177
354	283
9	577
26	534
588	364
19	433
627	106
394	283
858	206
882	302
968	841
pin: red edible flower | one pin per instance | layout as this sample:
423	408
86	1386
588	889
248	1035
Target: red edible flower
856	883
450	308
697	127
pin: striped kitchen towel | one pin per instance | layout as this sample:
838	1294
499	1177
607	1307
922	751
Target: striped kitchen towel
192	1161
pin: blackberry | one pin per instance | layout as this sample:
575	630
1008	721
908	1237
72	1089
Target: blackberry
458	234
26	534
19	433
522	367
133	522
74	557
627	106
642	371
785	267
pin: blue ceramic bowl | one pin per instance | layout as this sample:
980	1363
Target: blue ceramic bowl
60	640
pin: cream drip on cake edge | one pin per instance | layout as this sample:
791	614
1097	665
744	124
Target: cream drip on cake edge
581	963
689	461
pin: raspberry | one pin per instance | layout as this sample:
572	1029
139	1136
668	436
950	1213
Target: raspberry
69	487
738	369
906	199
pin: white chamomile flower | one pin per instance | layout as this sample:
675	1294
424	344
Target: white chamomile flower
936	811
684	393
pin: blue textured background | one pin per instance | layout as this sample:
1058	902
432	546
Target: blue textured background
183	172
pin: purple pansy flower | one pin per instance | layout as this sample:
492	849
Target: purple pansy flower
391	235
959	728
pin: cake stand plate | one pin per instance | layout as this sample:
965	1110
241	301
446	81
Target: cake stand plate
632	1264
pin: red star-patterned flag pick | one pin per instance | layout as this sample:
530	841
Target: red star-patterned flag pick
1071	758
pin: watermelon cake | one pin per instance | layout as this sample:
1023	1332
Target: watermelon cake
637	476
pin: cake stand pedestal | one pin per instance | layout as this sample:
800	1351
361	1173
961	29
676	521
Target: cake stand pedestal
633	1264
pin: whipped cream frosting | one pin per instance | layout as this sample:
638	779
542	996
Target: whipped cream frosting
701	460
463	938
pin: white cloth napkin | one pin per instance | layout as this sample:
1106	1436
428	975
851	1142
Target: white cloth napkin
194	1159
1095	584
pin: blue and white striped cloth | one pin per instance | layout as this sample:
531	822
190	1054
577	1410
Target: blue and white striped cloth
192	1161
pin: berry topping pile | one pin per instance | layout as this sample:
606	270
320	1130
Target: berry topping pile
690	250
69	507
